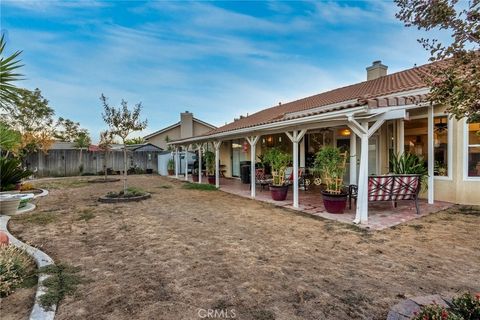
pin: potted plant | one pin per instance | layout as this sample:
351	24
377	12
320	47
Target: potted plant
195	174
210	166
409	163
171	167
278	161
330	162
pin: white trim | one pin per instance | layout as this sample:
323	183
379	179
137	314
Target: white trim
465	153
431	155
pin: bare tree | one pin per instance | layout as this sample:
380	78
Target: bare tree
121	122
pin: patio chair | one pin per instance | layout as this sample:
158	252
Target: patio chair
289	177
261	178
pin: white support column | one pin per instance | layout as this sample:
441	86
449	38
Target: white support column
430	142
401	136
217	145
295	137
353	158
200	151
302	153
177	162
362	201
253	142
186	162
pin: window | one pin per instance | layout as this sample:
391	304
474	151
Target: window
416	141
473	149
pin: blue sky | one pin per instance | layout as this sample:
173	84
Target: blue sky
216	59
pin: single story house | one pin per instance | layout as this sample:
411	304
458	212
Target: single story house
187	127
386	114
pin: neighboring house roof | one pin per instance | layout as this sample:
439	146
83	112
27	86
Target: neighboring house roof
177	125
359	94
138	147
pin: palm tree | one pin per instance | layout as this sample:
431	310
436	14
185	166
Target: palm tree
8	75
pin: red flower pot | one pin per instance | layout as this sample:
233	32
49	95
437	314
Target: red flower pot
334	203
171	172
195	177
211	179
279	193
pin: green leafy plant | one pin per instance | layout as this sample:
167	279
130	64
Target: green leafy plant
129	193
409	163
199	186
10	140
209	157
171	165
330	162
8	75
278	161
467	306
11	173
16	267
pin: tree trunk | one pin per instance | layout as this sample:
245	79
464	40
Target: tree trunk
80	159
124	168
105	164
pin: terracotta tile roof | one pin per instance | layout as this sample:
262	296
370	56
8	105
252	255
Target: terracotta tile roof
363	93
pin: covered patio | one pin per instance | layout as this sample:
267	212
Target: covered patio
381	215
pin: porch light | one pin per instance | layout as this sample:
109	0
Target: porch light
345	132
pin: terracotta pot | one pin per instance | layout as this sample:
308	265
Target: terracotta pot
9	206
334	203
171	172
4	239
279	193
211	179
195	177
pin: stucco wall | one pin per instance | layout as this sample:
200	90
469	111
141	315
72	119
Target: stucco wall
175	133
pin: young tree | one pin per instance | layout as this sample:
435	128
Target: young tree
33	118
67	130
136	140
82	141
8	75
455	82
105	144
122	122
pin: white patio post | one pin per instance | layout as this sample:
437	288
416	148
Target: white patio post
200	151
430	142
353	158
295	137
253	142
362	201
186	162
401	136
217	145
177	162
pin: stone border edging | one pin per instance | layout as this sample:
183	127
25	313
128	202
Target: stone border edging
43	194
119	200
41	259
405	309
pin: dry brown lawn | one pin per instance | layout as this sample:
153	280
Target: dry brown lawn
186	250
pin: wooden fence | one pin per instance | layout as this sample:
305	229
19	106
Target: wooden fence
62	163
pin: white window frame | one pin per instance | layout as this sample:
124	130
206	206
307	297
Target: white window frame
465	153
449	176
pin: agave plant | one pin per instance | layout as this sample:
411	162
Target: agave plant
11	173
409	163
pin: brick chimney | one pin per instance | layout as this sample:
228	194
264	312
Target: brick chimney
376	70
186	124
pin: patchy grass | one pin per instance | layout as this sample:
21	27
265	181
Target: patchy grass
131	192
41	218
199	186
63	281
86	215
416	227
17	270
165	186
62	183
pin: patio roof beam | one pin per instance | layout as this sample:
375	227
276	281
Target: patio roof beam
296	136
216	145
252	140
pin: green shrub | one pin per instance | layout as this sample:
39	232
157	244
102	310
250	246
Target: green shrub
199	186
330	162
16	267
131	192
435	312
11	173
278	161
467	306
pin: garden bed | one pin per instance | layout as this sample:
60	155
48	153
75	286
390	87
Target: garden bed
189	249
102	180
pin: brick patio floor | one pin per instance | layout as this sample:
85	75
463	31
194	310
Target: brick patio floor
381	215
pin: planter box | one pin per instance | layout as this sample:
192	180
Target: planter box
279	193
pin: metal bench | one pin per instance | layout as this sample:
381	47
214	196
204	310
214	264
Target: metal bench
394	187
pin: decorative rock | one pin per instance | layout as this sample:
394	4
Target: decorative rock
406	309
